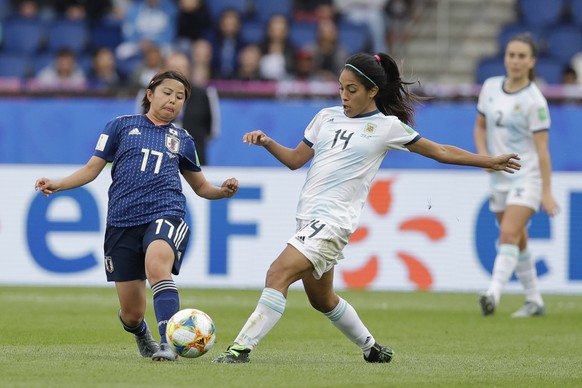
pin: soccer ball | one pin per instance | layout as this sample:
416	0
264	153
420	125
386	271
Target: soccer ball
190	333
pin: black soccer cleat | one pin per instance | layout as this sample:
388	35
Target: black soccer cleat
380	354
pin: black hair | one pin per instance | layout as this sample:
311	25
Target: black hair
161	77
393	97
526	38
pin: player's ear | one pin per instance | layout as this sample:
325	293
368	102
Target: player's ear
373	92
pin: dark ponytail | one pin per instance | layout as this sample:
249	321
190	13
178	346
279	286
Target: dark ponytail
393	97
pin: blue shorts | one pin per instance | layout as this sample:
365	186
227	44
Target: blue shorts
125	247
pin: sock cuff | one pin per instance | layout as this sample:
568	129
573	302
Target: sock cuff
273	299
524	255
509	250
164	286
338	312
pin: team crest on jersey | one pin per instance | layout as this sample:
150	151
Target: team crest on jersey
370	128
172	143
109	264
517	107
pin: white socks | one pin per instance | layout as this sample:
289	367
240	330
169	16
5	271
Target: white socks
345	318
505	263
527	275
266	315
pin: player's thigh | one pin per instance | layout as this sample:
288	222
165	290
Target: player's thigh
514	222
287	268
165	241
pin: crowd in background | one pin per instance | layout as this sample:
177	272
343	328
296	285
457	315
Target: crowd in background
237	43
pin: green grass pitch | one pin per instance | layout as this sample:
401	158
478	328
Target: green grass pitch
70	337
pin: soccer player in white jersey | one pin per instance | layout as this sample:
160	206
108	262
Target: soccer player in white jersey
346	144
513	117
146	235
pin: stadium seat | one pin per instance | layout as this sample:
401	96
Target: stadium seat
252	32
41	61
217	7
489	67
106	33
14	65
73	35
303	34
511	30
353	37
549	70
563	42
540	13
264	9
576	11
23	35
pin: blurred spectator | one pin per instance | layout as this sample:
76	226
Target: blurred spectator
201	56
226	43
26	9
277	50
63	73
569	76
83	9
371	13
305	69
193	21
200	115
249	64
152	62
313	10
329	55
146	22
104	74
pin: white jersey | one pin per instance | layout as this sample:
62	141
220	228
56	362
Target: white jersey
348	153
512	119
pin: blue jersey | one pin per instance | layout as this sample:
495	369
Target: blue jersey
147	160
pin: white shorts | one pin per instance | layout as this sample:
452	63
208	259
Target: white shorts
526	193
321	242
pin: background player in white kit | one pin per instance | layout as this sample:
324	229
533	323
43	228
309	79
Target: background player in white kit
347	144
513	116
146	235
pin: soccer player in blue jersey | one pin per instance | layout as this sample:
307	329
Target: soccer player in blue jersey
346	145
146	235
513	115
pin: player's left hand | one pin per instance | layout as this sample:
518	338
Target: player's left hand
229	187
507	163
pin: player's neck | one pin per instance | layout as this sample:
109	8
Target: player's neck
156	121
513	85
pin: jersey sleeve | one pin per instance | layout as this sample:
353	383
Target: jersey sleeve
189	158
400	135
539	116
312	130
481	108
108	141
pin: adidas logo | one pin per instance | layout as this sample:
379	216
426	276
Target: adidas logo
330	120
135	131
300	238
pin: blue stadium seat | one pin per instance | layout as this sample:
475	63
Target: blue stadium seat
549	70
540	13
303	34
489	67
576	11
564	42
353	37
14	65
41	61
106	33
73	35
511	30
264	9
217	7
23	35
252	32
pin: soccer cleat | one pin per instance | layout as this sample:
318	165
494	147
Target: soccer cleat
487	304
380	354
146	344
234	354
165	354
529	309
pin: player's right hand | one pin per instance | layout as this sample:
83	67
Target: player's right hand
256	137
45	186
